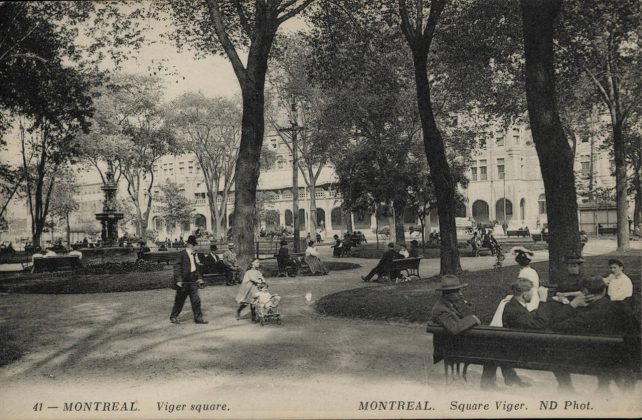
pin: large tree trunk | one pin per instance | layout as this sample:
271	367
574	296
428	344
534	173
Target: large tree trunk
400	236
555	154
621	198
312	188
637	212
214	217
247	164
68	231
440	172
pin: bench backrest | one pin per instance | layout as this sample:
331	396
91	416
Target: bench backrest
404	263
539	350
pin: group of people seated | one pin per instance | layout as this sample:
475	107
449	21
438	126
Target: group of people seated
7	249
290	265
597	305
342	247
168	243
485	239
385	263
226	263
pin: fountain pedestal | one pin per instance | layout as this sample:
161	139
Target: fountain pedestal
109	217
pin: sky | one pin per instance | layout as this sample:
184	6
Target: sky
213	75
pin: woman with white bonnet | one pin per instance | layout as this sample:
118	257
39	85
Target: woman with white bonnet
523	257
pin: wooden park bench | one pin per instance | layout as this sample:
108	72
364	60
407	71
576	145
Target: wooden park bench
57	263
542	236
166	257
519	233
215	274
289	270
408	265
537	350
607	230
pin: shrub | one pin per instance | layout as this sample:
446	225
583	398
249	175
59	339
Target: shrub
121	268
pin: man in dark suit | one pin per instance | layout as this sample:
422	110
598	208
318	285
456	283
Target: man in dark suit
597	314
187	280
383	267
516	316
287	265
214	263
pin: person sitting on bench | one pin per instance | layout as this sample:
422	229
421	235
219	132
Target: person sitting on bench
404	251
313	260
452	311
599	315
337	247
414	249
515	313
229	259
383	267
214	263
284	260
619	284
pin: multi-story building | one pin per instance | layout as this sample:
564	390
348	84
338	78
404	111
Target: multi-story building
505	185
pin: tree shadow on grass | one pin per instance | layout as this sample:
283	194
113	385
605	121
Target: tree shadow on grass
10	351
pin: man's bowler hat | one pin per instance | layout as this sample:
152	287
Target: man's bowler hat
192	240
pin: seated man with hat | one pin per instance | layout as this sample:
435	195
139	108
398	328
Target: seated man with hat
284	261
214	263
229	259
452	311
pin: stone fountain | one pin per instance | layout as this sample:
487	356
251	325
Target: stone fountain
109	217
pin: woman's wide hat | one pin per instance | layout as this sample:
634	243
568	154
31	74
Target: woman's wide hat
451	282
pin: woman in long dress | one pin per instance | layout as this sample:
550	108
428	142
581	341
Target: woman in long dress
248	288
313	260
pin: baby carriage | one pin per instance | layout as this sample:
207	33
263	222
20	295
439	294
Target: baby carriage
267	306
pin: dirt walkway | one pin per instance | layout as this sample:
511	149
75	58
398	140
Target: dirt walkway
121	347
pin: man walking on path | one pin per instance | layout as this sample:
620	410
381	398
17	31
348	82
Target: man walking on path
187	280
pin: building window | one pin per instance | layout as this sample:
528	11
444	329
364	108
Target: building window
541	202
500	169
585	165
190	167
181	168
500	139
473	171
483	170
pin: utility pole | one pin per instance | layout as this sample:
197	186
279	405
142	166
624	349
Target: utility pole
294	129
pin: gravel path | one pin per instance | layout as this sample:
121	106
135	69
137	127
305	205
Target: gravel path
121	347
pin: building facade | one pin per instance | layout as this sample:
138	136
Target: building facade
505	186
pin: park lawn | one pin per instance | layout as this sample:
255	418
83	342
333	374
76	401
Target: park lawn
412	301
65	283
